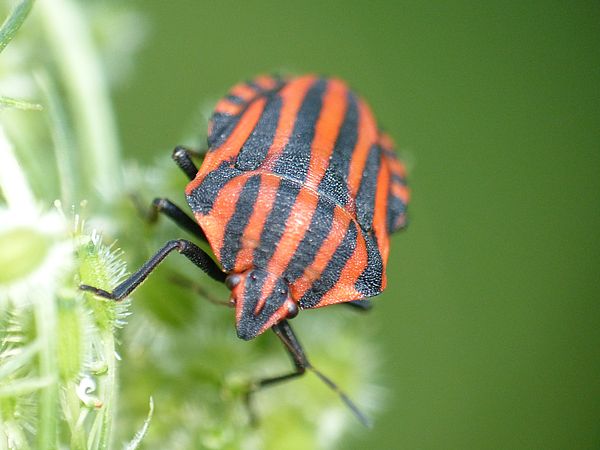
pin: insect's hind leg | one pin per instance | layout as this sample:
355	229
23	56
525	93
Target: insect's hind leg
176	214
284	332
183	158
360	305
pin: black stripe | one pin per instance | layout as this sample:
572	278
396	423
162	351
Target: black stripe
252	85
250	323
278	80
388	152
313	239
222	127
365	198
257	145
224	124
275	224
236	225
202	198
395	210
332	272
248	326
369	281
295	158
398	179
334	183
235	99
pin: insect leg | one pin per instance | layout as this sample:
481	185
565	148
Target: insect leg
176	214
199	289
284	332
360	305
183	158
188	249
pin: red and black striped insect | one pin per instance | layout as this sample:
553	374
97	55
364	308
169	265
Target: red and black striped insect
297	195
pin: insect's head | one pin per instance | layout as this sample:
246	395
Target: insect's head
261	300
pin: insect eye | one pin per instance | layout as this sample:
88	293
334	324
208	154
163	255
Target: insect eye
292	310
232	281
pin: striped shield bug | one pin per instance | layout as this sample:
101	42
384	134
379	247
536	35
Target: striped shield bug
297	195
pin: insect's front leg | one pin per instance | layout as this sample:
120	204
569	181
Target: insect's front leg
188	249
183	158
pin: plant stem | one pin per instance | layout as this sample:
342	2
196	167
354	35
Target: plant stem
13	181
64	145
69	37
19	104
110	386
13	22
45	318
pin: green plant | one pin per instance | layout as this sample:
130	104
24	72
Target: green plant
166	370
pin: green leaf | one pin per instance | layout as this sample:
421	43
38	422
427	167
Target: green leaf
13	22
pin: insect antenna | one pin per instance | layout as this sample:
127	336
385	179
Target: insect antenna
288	338
349	403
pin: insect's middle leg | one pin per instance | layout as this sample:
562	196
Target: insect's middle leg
176	214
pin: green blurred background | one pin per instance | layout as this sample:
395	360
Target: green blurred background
490	328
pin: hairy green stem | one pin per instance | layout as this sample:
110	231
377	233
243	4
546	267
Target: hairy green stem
109	387
46	326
